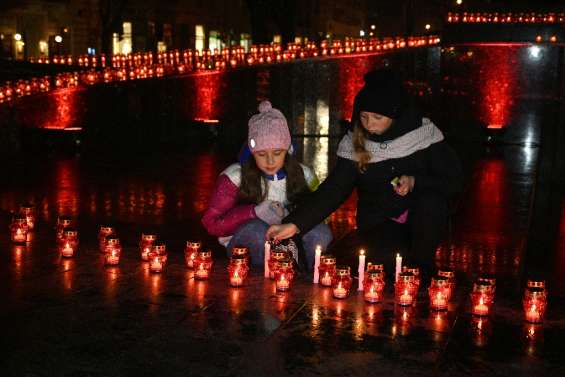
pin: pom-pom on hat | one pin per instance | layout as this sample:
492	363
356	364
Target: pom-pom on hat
383	93
268	129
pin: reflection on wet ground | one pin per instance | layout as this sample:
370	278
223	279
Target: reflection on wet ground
77	317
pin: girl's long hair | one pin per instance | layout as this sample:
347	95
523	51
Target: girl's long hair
252	181
363	155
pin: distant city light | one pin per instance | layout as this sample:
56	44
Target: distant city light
459	2
18	37
428	26
58	39
372	27
362	33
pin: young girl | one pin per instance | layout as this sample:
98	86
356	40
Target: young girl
258	191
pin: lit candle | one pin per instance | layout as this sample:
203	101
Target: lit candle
236	280
340	291
201	272
67	250
317	264
398	266
155	263
282	284
372	295
326	279
481	309
145	253
439	293
439	301
361	269
112	258
267	259
405	299
535	302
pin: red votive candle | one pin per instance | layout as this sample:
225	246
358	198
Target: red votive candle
341	282
241	252
68	244
535	304
203	265
276	256
405	289
113	257
488	280
439	293
327	270
62	223
156	262
450	275
237	271
415	271
146	245
28	211
105	231
284	275
19	229
112	243
373	286
191	252
482	298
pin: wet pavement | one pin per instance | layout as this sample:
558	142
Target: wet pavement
75	317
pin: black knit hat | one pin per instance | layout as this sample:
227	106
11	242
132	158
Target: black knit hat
383	93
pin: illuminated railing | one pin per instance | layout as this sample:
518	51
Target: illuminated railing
506	18
102	69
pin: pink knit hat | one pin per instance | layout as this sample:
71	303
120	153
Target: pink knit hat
268	129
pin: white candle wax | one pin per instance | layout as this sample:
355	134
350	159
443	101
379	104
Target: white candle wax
317	264
398	266
361	269
267	257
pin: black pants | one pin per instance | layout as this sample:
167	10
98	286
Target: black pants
416	240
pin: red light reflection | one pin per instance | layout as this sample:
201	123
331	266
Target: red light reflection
206	89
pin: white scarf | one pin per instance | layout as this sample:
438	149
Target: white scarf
413	141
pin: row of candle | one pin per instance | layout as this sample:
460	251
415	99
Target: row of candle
143	66
480	17
279	267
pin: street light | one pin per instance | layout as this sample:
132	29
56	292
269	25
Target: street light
18	37
459	2
362	33
58	39
372	27
428	26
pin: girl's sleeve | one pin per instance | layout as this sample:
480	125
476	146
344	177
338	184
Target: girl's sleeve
224	215
327	198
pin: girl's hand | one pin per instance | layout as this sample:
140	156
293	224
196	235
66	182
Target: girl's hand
281	232
405	185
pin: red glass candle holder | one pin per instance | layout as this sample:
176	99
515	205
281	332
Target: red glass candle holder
327	270
490	280
241	252
203	265
415	271
156	262
112	258
191	252
105	231
341	282
482	298
276	256
536	284
112	243
373	286
284	275
450	275
161	249
535	304
62	223
19	230
146	245
377	267
439	293
68	244
28	211
405	289
237	271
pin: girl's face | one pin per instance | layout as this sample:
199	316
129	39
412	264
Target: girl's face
375	123
270	161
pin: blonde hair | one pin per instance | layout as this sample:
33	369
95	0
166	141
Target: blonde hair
363	155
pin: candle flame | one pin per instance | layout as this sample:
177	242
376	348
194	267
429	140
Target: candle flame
481	301
19	231
235	274
533	308
362	252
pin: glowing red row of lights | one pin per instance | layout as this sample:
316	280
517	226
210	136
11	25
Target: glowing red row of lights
143	65
548	18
